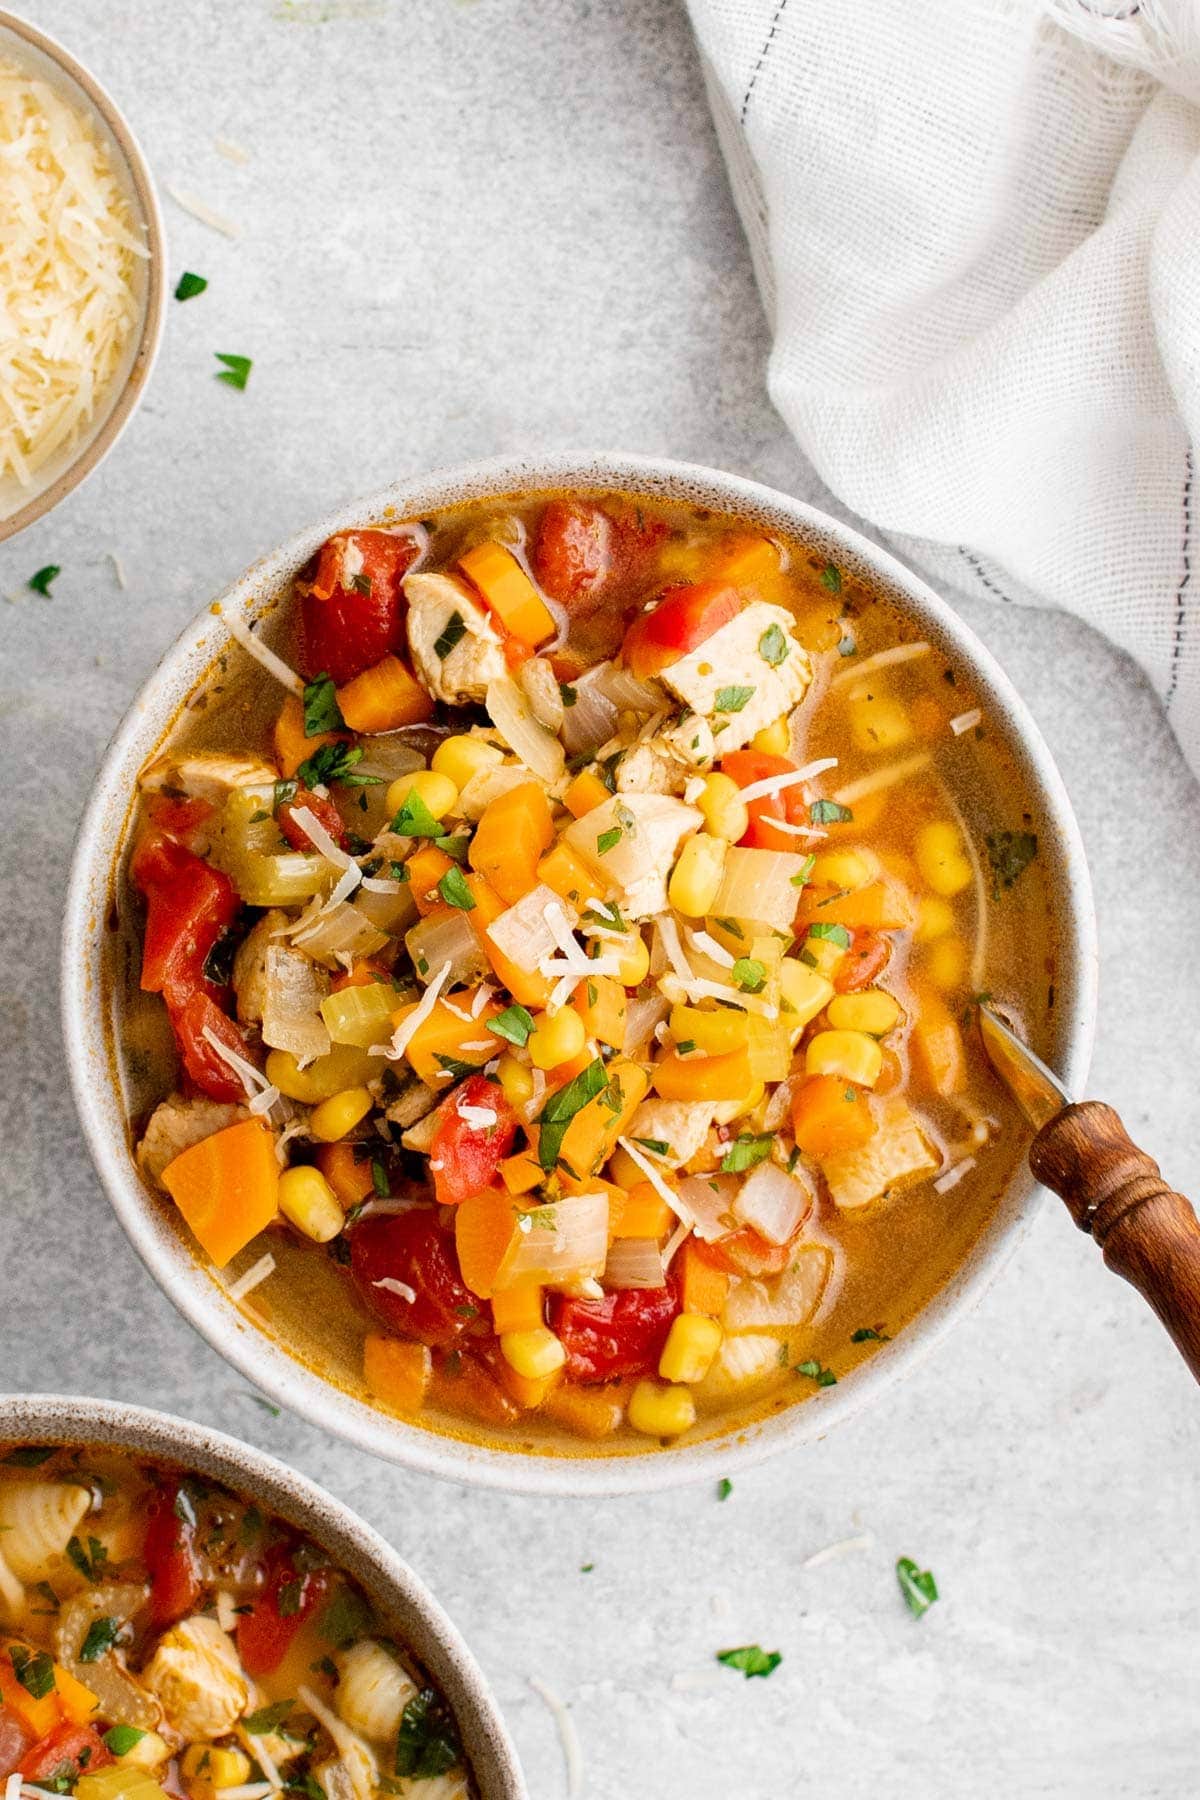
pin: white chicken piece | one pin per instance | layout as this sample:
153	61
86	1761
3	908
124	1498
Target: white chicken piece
453	665
250	965
176	1124
743	677
682	1125
898	1154
665	762
196	1675
633	840
206	774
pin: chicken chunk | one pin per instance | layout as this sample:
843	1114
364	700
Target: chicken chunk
196	1675
176	1124
633	839
250	965
665	762
206	774
453	665
898	1154
744	676
682	1125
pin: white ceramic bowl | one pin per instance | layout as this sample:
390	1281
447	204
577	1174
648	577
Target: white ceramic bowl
87	1016
20	43
401	1598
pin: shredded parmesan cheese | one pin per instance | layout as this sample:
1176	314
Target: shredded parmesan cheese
253	1080
407	1029
118	569
263	1101
323	842
12	1785
656	1181
843	1547
393	1286
880	779
199	209
775	784
478	1118
883	659
266	1762
274	665
965	721
257	1273
953	1175
708	946
568	1737
230	151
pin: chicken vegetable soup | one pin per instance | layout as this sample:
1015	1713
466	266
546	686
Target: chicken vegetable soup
160	1636
567	935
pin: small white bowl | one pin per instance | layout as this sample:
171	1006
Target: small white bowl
43	56
401	1598
87	974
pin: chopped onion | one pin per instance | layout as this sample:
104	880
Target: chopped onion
965	721
564	1241
440	939
742	1363
513	718
341	931
953	1175
293	989
591	720
641	1018
759	884
626	692
257	1273
388	756
524	934
707	1201
634	1263
781	1302
773	1202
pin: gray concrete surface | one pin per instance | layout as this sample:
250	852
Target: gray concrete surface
471	228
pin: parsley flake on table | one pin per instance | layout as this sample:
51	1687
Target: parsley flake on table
40	582
189	285
236	372
724	1488
751	1659
918	1586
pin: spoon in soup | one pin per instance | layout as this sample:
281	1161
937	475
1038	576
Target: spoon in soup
1148	1232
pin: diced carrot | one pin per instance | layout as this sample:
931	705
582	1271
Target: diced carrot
882	906
937	1045
443	1035
509	593
78	1702
38	1714
586	791
291	746
530	988
512	835
705	1289
744	559
384	697
527	1392
348	1175
426	867
484	1224
521	1174
570	877
591	1134
586	1412
829	1114
397	1373
226	1187
595	1184
703	1077
645	1214
520	1307
600	1002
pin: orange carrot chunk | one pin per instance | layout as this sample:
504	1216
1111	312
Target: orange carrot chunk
226	1187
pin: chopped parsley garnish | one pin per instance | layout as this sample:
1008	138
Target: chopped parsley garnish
561	1108
102	1634
751	1659
685	1046
828	812
290	1598
815	1372
186	288
428	1742
33	1669
586	1568
732	699
40	583
268	1718
121	1739
454	890
656	1146
284	791
773	646
236	370
917	1585
608	840
455	847
89	1562
514	1023
804	874
379	1179
724	1488
453	632
831	578
605	914
869	1334
745	1152
361	583
1010	854
454	1066
414	818
567	694
732	927
336	762
749	974
321	710
346	1618
833	934
268	1406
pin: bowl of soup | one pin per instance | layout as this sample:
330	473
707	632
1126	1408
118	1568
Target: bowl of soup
181	1615
520	964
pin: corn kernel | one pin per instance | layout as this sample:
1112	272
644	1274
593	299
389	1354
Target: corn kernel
803	992
934	919
774	740
946	963
516	1080
633	960
534	1353
724	810
660	1411
437	791
691	1345
556	1040
940	858
729	1110
461	757
850	1055
218	1768
878	722
148	1753
518	1309
873	1011
334	1117
847	870
696	878
342	1067
308	1202
622	1171
823	955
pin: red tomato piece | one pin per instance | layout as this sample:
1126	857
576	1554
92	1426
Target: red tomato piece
413	1249
572	551
748	766
679	624
864	962
464	1156
183	820
65	1753
14	1741
623	1334
290	1596
170	1554
744	1252
350	621
207	1071
189	905
323	811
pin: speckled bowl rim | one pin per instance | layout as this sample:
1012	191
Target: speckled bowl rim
399	1593
196	1293
95	447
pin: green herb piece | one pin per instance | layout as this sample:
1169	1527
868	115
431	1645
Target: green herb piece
685	1046
335	762
656	1146
831	578
48	1594
102	1634
236	371
361	583
749	974
814	1372
869	1334
514	1023
455	847
833	934
290	1598
828	812
415	819
455	1067
586	1568
189	285
773	646
454	890
567	694
804	874
122	1738
379	1180
732	699
269	1718
608	840
917	1585
268	1406
732	927
453	632
40	583
33	1669
428	1742
321	710
745	1152
608	915
1010	854
89	1562
751	1659
561	1108
724	1488
308	1785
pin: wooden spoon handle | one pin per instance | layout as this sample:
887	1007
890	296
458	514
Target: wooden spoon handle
1148	1232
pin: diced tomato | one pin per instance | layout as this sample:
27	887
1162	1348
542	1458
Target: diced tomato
744	1252
14	1741
349	622
184	820
189	904
469	1383
679	624
323	811
864	962
623	1334
572	551
207	1071
64	1754
170	1555
464	1157
748	766
291	1594
414	1249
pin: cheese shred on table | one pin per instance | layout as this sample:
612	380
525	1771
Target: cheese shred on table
68	252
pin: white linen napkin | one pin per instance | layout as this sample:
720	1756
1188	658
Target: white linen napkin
976	228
